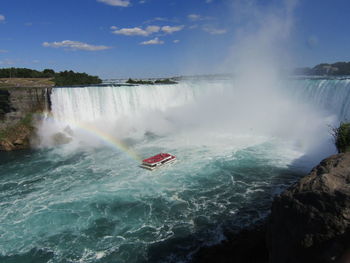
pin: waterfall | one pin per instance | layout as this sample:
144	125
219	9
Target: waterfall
294	110
331	95
113	102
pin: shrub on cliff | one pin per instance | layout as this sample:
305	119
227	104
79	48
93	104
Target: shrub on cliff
341	137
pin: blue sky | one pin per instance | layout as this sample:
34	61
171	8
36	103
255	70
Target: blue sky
154	38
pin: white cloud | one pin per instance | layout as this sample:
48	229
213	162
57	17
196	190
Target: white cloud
2	18
145	32
8	62
152	29
194	17
214	31
171	29
161	19
137	31
123	3
155	41
197	17
113	28
75	45
176	41
134	31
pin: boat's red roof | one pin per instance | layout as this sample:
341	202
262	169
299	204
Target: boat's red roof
157	158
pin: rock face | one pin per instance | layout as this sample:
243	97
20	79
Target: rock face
246	246
17	106
15	103
310	221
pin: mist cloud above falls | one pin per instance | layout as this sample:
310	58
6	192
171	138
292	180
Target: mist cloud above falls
258	100
255	102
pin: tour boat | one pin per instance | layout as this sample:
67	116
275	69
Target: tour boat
158	160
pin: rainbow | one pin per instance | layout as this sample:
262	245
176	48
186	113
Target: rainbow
107	138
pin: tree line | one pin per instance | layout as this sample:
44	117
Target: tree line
63	78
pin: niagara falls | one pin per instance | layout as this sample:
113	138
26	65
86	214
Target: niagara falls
250	98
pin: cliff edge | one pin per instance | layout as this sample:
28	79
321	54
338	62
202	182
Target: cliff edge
17	109
310	221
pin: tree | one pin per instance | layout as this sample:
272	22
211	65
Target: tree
49	73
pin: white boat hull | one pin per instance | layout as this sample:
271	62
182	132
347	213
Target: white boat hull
151	168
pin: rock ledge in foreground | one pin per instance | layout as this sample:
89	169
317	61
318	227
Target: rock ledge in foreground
310	221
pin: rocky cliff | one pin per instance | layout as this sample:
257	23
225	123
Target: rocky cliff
17	108
310	222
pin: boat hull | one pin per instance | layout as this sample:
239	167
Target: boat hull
157	165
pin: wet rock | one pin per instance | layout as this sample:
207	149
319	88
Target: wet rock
18	142
69	130
6	145
310	222
60	138
246	246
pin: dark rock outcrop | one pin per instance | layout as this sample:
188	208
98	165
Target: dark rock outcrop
4	103
310	222
246	246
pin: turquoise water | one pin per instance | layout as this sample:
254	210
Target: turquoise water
96	205
88	201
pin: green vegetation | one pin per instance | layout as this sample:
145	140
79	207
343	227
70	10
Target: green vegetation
324	69
27	120
69	78
25	73
165	81
341	137
64	78
150	82
145	82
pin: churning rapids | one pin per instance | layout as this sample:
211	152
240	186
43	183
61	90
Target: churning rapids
88	201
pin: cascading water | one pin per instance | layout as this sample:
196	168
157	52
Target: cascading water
111	103
85	201
332	95
125	111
